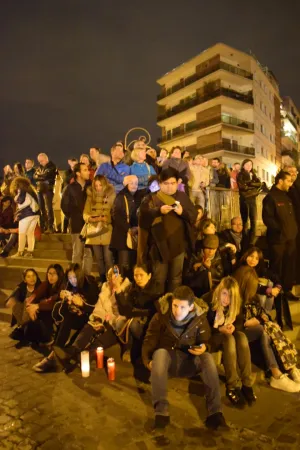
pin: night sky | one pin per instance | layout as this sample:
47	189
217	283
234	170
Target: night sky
80	73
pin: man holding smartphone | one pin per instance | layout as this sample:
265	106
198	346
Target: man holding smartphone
176	345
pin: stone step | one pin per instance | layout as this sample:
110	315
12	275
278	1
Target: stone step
54	245
53	254
41	263
5	314
57	237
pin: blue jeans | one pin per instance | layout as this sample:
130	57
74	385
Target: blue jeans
179	364
257	333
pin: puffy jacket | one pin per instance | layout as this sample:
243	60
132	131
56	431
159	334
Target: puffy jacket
143	171
114	173
102	207
160	333
27	205
248	187
72	205
45	176
279	216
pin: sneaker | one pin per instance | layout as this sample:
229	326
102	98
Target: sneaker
284	383
249	395
46	365
18	255
4	254
295	374
161	422
216	421
28	255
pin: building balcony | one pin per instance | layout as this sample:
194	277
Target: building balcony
198	100
195	77
195	126
227	146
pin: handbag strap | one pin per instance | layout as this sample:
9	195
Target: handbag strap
127	209
125	329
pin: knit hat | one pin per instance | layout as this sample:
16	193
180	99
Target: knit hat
211	241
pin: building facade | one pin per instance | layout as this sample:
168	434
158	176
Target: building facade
290	127
223	103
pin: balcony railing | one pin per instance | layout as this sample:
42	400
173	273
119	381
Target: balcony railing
197	76
229	146
198	100
194	126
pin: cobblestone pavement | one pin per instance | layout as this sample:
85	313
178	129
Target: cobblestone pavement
57	411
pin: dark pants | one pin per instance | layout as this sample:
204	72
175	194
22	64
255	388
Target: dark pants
180	364
126	262
46	207
248	210
236	354
283	262
170	273
71	322
12	241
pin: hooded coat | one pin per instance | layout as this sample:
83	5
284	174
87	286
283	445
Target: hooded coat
160	333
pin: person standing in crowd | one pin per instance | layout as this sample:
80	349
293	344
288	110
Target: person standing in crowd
8	176
237	236
69	174
166	221
97	157
224	176
97	211
115	170
45	176
124	221
28	214
294	194
233	176
279	217
85	159
151	159
226	324
18	170
199	180
30	171
182	166
72	205
176	344
249	188
214	178
6	216
140	167
163	156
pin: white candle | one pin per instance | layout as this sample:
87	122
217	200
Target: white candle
85	364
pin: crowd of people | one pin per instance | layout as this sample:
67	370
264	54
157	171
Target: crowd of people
170	289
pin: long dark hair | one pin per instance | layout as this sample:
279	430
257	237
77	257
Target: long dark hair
20	169
23	184
76	268
247	279
61	275
249	252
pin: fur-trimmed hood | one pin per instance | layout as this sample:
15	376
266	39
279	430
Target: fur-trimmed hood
108	192
164	305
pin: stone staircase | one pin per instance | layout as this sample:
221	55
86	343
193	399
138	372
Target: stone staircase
57	248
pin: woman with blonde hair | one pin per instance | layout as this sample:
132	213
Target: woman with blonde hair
141	168
223	316
27	213
97	212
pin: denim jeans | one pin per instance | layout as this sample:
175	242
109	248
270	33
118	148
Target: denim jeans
236	354
126	262
170	272
45	202
248	210
179	364
13	239
104	259
81	254
256	333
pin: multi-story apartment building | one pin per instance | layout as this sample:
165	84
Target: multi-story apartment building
223	103
290	127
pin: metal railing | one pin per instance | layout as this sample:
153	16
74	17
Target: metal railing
197	76
194	126
198	100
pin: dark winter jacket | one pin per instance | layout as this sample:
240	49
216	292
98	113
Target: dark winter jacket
136	301
89	292
27	205
248	187
161	334
30	175
72	204
226	237
294	194
279	216
45	296
119	217
7	218
45	176
156	241
114	173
